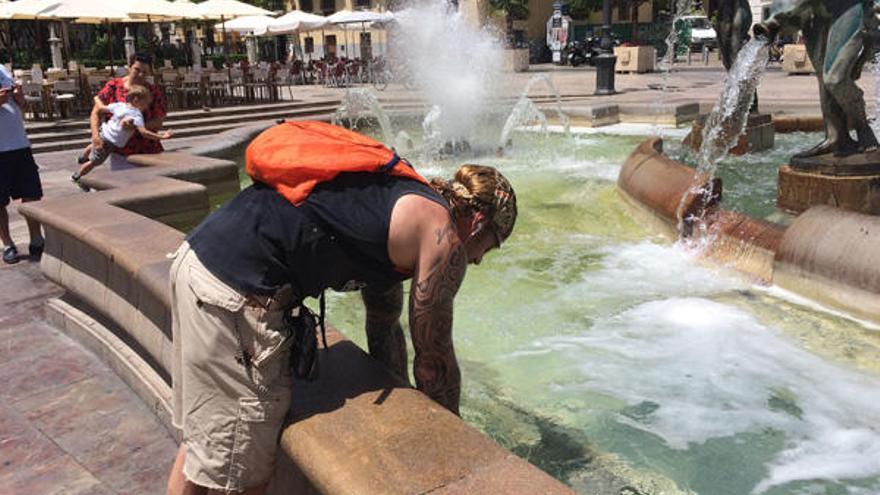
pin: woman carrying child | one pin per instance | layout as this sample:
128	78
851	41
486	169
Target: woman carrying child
126	121
115	91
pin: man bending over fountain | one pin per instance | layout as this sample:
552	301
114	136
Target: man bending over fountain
280	241
836	32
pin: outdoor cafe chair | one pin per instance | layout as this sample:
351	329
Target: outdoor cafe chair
96	83
236	82
283	80
190	90
64	95
169	85
258	86
37	74
33	95
218	88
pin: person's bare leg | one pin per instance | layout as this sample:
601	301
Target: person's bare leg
179	485
177	482
34	229
4	227
86	152
85	168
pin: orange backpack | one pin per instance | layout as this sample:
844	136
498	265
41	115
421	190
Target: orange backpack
294	157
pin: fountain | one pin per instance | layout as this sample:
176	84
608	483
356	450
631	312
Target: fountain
721	129
525	111
733	22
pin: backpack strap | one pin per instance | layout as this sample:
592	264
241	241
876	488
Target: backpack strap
323	309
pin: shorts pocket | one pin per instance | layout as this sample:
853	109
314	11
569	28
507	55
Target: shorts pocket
255	446
208	289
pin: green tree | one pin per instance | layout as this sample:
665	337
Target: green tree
581	9
513	10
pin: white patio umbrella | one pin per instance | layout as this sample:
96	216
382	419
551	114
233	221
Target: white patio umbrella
27	9
185	9
296	21
88	11
359	17
152	10
344	18
249	24
227	9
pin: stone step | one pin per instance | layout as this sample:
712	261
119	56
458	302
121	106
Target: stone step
79	142
206	119
83	122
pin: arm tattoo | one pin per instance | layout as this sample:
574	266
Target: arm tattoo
430	311
384	333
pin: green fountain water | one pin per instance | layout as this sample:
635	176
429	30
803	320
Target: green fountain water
588	341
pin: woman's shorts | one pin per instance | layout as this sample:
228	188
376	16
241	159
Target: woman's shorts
231	414
19	176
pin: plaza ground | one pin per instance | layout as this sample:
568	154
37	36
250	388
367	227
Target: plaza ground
69	425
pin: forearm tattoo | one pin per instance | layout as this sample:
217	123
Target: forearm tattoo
430	311
384	333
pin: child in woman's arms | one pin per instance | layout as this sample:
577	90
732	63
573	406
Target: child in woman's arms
124	120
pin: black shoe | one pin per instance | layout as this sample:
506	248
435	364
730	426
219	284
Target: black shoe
10	255
35	251
75	178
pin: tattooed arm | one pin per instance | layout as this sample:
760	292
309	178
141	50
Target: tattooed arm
440	269
384	333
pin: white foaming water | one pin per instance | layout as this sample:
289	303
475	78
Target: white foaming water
682	8
361	103
714	372
875	71
647	270
727	121
525	111
456	65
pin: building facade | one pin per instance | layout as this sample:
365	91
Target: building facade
354	42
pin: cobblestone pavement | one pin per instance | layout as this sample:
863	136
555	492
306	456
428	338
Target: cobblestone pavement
69	425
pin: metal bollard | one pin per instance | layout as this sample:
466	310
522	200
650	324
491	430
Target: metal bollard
705	55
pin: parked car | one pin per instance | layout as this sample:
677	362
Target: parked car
702	32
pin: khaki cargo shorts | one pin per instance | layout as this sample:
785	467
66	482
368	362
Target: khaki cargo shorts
231	415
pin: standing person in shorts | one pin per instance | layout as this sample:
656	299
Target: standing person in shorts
256	258
125	119
19	178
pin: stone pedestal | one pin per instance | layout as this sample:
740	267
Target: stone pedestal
759	135
851	183
516	59
635	59
795	60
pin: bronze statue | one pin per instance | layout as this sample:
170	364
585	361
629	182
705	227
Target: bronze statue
838	35
733	22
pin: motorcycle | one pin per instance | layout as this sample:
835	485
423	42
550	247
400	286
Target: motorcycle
576	53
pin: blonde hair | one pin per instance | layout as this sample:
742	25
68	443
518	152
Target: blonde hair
138	92
478	188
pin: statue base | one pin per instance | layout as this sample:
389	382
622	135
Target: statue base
859	164
759	135
799	190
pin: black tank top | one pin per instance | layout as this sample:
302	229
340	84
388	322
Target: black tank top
337	239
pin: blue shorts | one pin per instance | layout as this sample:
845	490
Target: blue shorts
19	178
